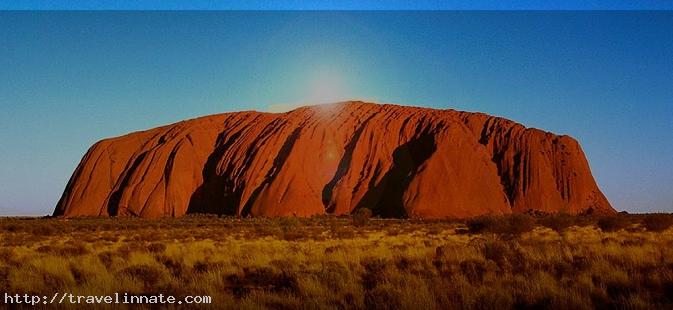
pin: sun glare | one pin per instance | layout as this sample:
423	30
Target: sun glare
325	86
322	86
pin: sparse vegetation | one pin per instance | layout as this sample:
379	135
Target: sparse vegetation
361	216
512	225
557	262
613	223
658	222
558	222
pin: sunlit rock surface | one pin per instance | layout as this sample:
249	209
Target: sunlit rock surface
398	161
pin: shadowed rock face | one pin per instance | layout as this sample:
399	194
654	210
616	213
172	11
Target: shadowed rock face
399	161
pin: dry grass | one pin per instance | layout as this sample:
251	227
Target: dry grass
330	263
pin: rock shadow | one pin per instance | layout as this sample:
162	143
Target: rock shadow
115	197
217	194
386	198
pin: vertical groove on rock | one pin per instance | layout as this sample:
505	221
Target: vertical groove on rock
115	197
386	198
278	162
343	166
399	161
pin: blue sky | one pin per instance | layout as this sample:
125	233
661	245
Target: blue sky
68	79
337	4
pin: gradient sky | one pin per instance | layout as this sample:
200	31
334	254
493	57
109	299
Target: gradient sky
68	79
338	4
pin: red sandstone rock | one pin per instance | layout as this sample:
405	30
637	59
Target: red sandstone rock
398	161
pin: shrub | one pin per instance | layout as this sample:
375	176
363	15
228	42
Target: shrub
481	224
375	271
612	223
149	275
4	274
65	250
6	254
512	225
203	267
519	223
264	278
496	251
106	258
473	270
557	222
44	229
657	222
361	216
333	274
174	266
383	297
12	227
293	235
73	250
156	247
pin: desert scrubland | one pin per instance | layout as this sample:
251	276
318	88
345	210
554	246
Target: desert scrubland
523	262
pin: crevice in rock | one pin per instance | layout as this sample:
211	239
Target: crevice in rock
215	195
115	197
342	168
278	163
386	198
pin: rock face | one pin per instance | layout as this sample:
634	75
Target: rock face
398	161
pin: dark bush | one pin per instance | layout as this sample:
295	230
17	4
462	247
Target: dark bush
294	235
203	267
12	227
109	237
473	270
156	247
383	297
634	241
6	254
148	275
361	216
47	249
512	225
612	223
375	271
106	258
175	267
519	224
482	224
65	250
266	278
658	222
44	229
557	222
333	274
580	263
4	274
496	251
